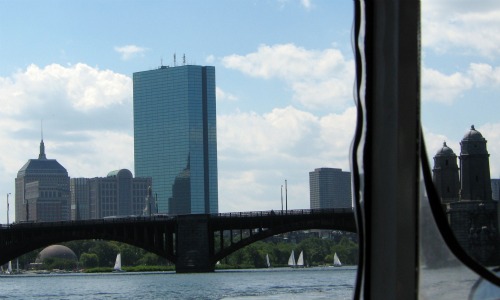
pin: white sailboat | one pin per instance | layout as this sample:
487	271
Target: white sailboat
268	264
336	261
291	260
9	268
118	263
300	261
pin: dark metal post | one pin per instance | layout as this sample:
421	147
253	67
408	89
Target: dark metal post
8	208
391	97
286	197
281	199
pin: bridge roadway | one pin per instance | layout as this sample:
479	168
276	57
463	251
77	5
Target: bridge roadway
193	242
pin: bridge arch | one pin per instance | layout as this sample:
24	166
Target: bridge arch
153	235
259	229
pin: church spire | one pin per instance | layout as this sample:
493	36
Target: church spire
42	146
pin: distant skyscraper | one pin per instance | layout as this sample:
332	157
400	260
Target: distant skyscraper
42	190
330	188
175	139
117	194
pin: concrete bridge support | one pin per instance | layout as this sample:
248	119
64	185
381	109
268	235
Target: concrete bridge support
194	244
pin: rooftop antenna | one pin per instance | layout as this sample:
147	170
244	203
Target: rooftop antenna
175	63
161	62
41	128
184	59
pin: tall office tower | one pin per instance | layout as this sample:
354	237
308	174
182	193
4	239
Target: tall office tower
330	188
118	194
175	139
474	167
42	190
445	174
80	198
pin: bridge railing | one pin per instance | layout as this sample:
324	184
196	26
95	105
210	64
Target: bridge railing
163	217
284	212
106	220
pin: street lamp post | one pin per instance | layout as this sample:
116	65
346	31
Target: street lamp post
286	198
281	199
8	209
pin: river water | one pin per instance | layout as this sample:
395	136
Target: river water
279	283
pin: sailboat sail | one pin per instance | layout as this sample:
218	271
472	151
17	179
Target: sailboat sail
118	263
268	264
336	261
9	268
291	260
300	261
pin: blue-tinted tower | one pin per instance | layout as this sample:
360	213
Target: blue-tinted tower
175	137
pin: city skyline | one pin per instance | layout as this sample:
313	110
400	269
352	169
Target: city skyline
284	92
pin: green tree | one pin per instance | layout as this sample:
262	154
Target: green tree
106	252
89	260
59	263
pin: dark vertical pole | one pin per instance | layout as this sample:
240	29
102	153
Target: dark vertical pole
391	150
281	199
286	197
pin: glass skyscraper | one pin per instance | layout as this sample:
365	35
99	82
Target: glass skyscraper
175	139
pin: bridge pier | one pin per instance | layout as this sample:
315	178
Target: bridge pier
194	245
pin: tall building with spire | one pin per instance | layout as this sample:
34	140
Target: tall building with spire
42	190
175	139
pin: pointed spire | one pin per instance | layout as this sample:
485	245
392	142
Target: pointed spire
42	151
42	145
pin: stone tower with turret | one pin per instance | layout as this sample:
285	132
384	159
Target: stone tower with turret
445	174
474	167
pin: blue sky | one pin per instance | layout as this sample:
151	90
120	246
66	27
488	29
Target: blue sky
284	74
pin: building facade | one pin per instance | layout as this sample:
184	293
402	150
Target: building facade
116	195
175	139
330	188
472	214
42	190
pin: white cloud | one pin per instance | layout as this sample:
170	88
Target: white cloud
472	26
130	51
319	79
55	87
257	152
440	87
485	75
210	59
306	3
221	95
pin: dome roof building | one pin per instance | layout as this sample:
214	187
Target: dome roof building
56	251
